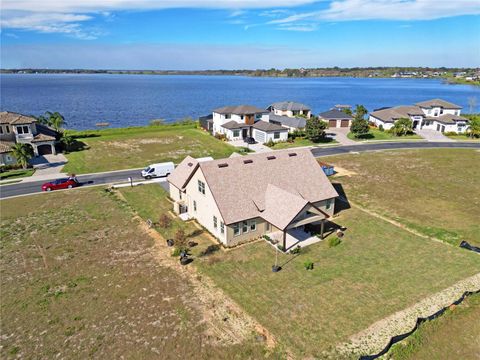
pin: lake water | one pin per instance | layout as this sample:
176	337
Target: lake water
128	100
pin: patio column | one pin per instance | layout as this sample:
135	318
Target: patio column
53	149
284	240
322	228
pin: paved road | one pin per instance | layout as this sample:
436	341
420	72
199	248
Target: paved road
118	176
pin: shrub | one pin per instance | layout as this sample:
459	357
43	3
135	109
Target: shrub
164	221
270	143
308	265
211	249
450	133
268	238
402	127
180	241
380	128
176	252
280	247
157	122
296	250
220	136
334	241
315	129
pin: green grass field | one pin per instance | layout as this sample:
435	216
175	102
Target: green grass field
116	149
376	134
80	280
299	141
312	311
15	174
433	191
454	335
463	138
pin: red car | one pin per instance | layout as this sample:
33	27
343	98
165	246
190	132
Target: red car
65	183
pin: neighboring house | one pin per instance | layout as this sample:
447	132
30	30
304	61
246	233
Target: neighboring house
336	118
343	107
290	109
6	157
17	128
435	114
243	198
292	123
240	122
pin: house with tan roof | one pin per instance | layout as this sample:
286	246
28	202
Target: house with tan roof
290	109
18	128
435	114
243	198
246	121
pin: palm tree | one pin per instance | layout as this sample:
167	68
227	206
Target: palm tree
22	152
473	129
56	120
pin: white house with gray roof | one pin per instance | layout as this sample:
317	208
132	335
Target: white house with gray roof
435	114
245	121
243	198
290	109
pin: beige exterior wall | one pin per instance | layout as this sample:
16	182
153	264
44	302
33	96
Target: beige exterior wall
261	229
322	205
174	192
206	206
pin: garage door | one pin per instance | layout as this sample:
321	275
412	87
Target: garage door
44	150
332	123
259	136
344	123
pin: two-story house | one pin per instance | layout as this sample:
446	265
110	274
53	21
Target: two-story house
243	198
245	121
18	128
290	109
435	114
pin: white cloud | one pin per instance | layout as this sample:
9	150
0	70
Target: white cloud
68	24
82	6
298	27
400	10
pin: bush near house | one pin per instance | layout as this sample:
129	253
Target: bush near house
402	127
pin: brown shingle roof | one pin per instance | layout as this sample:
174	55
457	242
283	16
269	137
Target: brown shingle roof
447	119
240	188
7	117
268	126
232	125
240	110
183	172
397	112
438	103
6	146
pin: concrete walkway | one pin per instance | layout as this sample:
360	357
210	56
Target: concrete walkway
48	165
257	147
340	135
432	135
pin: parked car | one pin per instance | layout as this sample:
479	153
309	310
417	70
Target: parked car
156	170
65	183
249	140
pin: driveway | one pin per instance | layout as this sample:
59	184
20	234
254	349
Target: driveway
340	135
48	165
432	135
257	147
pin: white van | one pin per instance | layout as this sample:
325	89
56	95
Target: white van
157	170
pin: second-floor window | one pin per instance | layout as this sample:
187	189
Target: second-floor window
194	205
215	222
329	204
22	130
222	227
228	116
201	187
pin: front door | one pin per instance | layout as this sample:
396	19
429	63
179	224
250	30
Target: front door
244	133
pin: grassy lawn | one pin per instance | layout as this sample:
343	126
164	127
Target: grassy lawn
433	191
116	149
299	141
376	134
463	138
79	280
311	311
455	335
15	174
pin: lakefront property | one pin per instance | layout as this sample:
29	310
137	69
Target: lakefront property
243	198
435	114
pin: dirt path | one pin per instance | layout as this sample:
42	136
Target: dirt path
376	337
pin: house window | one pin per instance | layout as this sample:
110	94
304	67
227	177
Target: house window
276	135
215	222
1	129
236	229
222	227
244	226
268	228
7	128
236	133
22	129
228	116
242	117
253	225
194	205
180	194
329	204
201	187
441	111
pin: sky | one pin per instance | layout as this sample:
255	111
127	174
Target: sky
238	34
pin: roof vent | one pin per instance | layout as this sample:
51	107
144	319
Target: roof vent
190	164
247	161
222	165
292	154
271	157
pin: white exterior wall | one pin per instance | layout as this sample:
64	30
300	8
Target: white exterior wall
450	127
230	134
206	206
269	135
378	122
289	113
436	111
